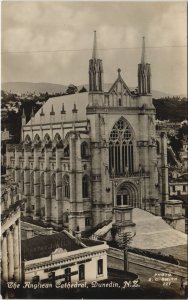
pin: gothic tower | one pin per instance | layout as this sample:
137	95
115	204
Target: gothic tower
144	74
95	76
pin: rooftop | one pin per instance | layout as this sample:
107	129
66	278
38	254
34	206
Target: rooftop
43	246
80	99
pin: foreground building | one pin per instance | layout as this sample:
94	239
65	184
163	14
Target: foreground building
83	154
10	234
62	258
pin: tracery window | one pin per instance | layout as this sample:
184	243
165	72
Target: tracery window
85	187
121	149
66	185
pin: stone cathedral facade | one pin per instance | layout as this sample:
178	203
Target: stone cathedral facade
83	154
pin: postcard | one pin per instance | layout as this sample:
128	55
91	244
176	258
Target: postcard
94	146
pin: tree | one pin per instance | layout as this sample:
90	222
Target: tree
72	89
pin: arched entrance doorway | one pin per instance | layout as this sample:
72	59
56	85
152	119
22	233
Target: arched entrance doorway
127	193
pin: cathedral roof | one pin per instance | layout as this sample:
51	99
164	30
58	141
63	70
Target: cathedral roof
80	99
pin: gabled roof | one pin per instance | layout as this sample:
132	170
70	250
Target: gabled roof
120	79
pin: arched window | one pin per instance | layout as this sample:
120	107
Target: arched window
36	139
121	149
66	186
32	183
27	139
67	151
42	183
85	187
53	185
84	150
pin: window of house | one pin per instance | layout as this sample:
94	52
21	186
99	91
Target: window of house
68	275
184	188
120	102
87	221
100	266
85	187
173	188
81	272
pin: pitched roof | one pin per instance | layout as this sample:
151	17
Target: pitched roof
42	246
80	99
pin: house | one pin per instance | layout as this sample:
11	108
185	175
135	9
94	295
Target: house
63	258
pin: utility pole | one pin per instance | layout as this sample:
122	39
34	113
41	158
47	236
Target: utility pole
126	239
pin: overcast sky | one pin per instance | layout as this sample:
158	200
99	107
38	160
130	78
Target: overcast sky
46	26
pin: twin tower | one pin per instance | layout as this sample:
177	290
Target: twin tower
96	72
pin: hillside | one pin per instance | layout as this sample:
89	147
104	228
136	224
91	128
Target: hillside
42	87
31	87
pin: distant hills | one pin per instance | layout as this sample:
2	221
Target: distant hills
50	88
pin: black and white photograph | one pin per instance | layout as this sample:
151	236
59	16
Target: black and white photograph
94	150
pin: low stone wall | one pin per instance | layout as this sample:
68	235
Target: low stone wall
149	270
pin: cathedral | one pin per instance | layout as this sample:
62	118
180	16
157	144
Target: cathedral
83	154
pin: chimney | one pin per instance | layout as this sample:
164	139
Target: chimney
63	114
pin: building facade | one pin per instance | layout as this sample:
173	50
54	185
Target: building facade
62	258
83	154
10	234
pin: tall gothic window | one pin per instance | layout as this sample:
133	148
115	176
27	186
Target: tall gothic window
42	183
32	183
66	184
85	187
121	149
53	185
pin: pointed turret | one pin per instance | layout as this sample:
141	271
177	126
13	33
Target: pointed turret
23	117
95	50
42	112
144	73
52	111
42	115
52	115
95	70
32	112
32	116
143	57
63	112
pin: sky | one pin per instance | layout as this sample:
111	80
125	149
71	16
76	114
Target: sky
42	29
